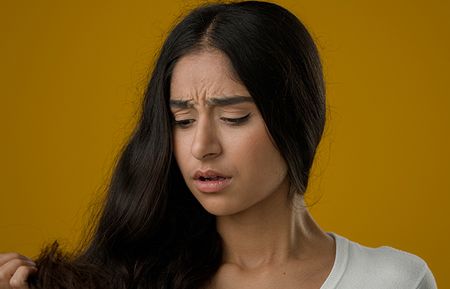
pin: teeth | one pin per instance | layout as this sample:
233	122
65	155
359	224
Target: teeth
212	178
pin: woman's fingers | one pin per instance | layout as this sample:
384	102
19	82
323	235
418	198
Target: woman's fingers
5	257
14	271
19	279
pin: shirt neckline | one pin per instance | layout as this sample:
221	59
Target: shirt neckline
340	262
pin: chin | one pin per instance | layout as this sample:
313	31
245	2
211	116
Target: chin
220	208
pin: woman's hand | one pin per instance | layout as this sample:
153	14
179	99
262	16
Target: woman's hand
14	271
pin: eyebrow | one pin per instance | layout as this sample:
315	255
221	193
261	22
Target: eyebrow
219	101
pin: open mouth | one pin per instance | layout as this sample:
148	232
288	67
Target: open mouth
211	181
211	184
211	178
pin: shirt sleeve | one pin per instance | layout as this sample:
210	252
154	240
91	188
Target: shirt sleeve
427	281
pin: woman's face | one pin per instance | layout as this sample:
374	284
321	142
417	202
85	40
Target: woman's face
221	144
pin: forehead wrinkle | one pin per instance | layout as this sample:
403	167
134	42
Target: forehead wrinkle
202	90
220	101
195	87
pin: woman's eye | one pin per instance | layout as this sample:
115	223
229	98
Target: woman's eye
236	121
183	123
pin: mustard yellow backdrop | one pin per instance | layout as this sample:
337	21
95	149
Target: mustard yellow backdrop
71	78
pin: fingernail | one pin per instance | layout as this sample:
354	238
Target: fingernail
31	262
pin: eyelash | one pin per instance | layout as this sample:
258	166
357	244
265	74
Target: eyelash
184	123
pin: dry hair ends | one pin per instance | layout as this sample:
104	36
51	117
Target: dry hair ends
151	232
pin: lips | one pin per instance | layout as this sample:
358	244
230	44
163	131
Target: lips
211	181
209	175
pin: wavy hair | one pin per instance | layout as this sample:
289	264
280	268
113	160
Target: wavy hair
150	231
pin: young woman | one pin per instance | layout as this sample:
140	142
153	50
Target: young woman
208	192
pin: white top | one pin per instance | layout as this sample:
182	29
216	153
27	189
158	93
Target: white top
359	267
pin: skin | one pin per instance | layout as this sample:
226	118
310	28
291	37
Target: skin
14	270
242	151
267	242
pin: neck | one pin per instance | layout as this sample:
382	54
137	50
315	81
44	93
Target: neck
270	233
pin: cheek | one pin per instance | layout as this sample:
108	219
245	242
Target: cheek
181	150
259	160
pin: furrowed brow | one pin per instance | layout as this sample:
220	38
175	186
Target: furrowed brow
229	100
215	101
178	103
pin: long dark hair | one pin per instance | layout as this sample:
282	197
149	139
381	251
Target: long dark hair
151	232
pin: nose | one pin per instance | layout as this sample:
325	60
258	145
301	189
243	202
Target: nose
205	144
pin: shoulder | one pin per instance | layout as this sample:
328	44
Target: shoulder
386	267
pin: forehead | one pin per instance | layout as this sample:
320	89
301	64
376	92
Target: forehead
204	74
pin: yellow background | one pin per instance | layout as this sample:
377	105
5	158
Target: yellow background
72	75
